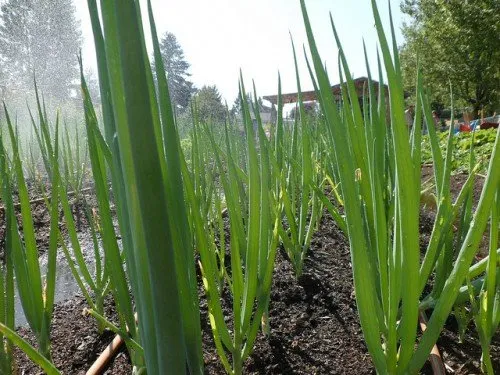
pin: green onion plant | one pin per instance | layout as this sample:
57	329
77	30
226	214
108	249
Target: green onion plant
93	282
74	161
486	306
36	293
301	205
147	184
253	240
379	166
221	204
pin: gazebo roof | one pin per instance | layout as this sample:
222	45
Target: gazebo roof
308	96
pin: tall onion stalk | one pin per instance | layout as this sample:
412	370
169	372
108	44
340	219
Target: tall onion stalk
145	170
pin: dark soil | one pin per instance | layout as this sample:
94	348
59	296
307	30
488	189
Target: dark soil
464	358
76	343
41	215
314	323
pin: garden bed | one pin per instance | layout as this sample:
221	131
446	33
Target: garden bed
314	325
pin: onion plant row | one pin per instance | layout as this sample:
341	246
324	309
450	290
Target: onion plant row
216	213
379	169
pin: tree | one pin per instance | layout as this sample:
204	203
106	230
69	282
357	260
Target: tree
176	67
40	38
311	109
209	105
236	109
456	42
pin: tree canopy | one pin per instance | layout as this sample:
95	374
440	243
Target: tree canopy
39	38
176	67
209	105
236	108
456	42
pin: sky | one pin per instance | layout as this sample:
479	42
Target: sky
220	37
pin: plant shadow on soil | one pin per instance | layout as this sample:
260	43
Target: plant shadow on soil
314	324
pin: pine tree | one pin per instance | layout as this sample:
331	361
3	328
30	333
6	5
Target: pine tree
41	39
176	66
209	105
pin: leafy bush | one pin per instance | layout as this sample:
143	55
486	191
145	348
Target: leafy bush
484	141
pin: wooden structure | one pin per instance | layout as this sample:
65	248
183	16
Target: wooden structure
360	83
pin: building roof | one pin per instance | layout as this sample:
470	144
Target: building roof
308	96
